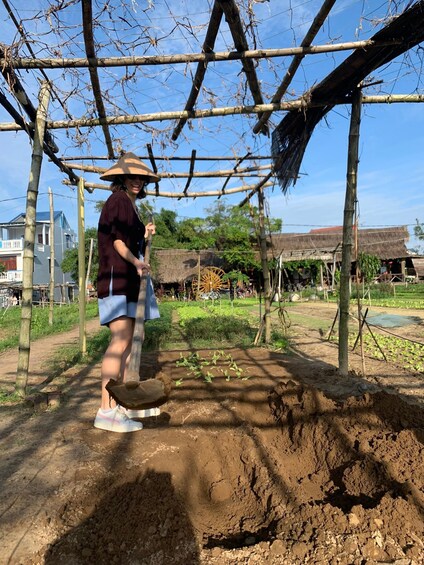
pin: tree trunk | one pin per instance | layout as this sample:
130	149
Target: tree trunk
29	239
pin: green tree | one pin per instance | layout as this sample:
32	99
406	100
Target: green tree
2	268
234	232
419	230
369	266
70	260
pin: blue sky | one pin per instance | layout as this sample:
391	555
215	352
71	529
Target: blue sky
391	169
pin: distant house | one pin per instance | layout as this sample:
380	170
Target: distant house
176	267
388	244
12	250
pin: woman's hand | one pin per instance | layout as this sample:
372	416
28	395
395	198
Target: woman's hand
150	230
141	267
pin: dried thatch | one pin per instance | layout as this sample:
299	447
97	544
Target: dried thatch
179	265
418	263
385	243
291	136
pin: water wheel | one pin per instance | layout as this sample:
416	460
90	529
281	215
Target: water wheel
210	281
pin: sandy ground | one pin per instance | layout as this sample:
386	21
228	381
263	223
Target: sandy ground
293	465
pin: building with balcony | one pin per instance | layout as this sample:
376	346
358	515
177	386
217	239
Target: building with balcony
12	251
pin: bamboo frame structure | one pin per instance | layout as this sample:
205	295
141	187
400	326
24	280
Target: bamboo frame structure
383	47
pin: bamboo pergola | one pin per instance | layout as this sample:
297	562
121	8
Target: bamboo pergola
117	82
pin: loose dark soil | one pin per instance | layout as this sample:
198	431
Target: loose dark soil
294	465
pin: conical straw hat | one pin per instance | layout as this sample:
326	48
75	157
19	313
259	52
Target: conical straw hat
129	164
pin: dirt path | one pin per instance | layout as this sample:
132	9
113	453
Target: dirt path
42	351
295	465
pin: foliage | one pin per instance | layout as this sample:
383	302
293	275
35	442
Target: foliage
70	260
369	266
402	352
419	230
218	328
2	267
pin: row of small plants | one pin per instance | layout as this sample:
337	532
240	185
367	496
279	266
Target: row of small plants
401	352
218	364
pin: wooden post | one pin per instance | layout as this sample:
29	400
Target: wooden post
90	259
81	267
265	269
51	242
349	208
29	239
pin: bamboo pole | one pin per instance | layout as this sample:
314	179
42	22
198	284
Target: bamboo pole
248	157
295	64
264	262
29	239
191	174
357	284
349	208
81	268
165	194
263	183
87	19
52	258
208	45
236	171
209	57
299	104
232	15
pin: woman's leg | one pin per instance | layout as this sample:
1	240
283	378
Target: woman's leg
116	355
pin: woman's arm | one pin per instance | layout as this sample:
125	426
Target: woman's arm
126	254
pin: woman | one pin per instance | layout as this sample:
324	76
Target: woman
121	243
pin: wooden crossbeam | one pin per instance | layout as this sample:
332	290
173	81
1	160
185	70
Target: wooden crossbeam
244	172
18	91
153	163
294	65
87	19
299	104
208	46
191	171
215	56
232	15
262	184
239	161
248	156
165	194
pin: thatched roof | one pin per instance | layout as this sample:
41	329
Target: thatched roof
418	263
179	265
290	138
385	243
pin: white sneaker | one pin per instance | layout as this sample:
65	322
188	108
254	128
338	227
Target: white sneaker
115	420
145	413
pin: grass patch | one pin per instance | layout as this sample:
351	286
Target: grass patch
64	318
